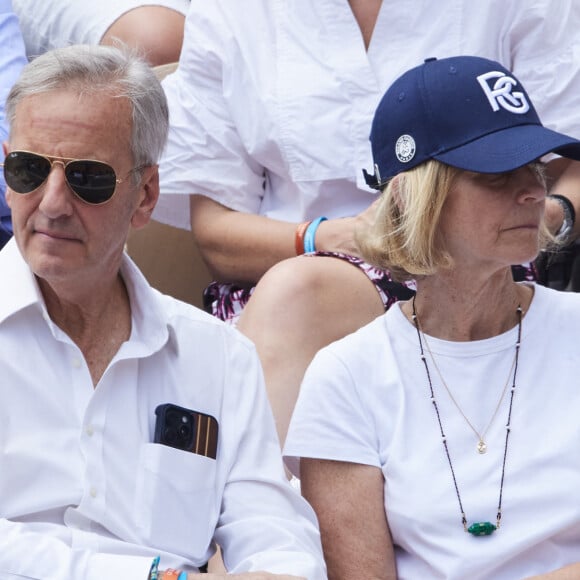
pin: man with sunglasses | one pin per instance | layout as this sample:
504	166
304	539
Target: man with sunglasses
135	432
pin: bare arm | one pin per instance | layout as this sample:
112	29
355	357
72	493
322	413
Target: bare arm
348	500
241	247
238	246
570	572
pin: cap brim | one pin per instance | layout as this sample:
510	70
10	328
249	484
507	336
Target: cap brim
509	149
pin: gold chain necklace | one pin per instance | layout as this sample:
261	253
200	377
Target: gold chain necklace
481	444
477	528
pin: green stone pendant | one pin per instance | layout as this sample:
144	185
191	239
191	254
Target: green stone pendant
481	528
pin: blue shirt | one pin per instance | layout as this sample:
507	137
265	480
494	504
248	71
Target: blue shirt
12	59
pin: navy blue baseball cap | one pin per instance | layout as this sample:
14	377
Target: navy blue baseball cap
465	111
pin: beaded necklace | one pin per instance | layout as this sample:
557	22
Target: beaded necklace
477	528
481	444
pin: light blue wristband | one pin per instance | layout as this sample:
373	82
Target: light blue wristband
182	576
310	235
153	572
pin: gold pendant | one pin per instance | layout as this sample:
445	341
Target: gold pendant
481	446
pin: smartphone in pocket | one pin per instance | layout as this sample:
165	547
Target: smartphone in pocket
186	429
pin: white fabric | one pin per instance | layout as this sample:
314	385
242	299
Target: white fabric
84	493
272	102
374	393
48	24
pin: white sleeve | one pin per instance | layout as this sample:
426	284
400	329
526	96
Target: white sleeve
330	420
39	556
545	52
264	523
205	153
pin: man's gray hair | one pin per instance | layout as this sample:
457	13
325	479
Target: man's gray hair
86	68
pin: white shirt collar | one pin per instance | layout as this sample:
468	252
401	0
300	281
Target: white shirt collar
149	323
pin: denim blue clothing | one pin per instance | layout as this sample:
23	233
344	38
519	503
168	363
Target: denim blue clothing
12	59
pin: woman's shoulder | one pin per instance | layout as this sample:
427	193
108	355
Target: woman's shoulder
371	341
549	297
553	307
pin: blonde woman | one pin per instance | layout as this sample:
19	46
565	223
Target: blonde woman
447	445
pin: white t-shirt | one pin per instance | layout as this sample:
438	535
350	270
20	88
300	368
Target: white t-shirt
365	399
272	103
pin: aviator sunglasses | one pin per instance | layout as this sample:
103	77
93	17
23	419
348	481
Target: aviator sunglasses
93	182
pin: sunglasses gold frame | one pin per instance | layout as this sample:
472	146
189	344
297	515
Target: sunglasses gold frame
64	162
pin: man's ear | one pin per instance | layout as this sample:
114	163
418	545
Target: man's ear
148	196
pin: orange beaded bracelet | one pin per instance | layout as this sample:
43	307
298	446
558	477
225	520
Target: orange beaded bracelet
299	237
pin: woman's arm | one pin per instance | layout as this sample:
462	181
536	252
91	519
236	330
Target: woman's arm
242	247
570	572
348	500
564	175
237	246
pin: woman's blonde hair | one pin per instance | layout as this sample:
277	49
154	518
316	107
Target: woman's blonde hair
405	237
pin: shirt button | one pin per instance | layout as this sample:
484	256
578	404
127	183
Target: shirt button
89	430
76	363
93	492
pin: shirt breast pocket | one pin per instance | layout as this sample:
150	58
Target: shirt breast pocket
176	503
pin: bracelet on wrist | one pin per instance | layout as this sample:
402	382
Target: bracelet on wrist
310	235
299	237
154	570
569	217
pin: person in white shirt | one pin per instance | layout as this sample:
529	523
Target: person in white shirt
132	426
271	107
448	441
155	27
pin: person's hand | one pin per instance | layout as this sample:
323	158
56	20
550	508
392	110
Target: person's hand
245	576
252	576
339	235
